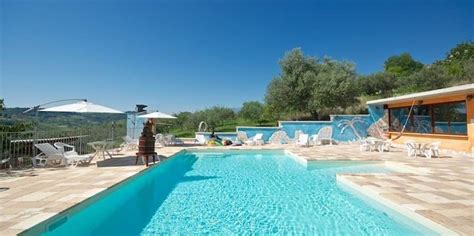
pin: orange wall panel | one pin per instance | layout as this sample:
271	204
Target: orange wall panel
470	121
460	144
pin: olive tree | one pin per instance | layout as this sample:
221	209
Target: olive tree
334	88
380	84
307	85
402	65
252	111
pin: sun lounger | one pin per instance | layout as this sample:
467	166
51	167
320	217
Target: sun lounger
171	140
63	146
241	137
255	140
50	155
6	162
279	137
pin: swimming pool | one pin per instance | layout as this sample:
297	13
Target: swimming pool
232	192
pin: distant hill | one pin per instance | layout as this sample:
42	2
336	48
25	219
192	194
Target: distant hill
60	120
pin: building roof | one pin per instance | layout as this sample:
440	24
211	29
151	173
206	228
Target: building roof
456	90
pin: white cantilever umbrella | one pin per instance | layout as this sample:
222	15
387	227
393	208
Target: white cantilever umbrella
81	107
157	115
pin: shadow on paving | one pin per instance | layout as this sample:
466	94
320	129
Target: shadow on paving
126	161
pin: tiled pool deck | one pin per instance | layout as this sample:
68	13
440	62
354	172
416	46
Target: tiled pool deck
441	189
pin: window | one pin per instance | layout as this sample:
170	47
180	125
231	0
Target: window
444	118
450	118
418	122
398	117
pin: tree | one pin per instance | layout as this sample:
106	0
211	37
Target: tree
334	88
458	60
379	84
2	106
402	65
428	78
12	125
469	71
183	119
461	53
288	92
307	85
252	111
215	116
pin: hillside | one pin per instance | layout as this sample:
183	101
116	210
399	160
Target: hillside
59	120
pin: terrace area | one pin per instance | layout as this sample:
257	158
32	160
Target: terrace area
438	189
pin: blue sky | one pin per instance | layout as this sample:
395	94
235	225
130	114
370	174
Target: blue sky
187	55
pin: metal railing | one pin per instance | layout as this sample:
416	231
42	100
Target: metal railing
19	148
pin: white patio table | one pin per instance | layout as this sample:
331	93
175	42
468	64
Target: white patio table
421	148
101	148
374	143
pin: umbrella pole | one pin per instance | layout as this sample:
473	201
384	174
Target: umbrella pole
113	130
35	132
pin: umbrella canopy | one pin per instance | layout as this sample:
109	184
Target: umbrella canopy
82	107
157	115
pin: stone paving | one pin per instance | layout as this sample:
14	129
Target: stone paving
439	189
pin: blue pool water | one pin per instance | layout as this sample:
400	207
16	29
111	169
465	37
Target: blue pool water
232	193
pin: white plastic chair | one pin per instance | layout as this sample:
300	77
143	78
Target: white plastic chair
411	148
130	144
324	134
297	135
384	145
364	145
435	148
303	140
431	150
200	139
159	140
